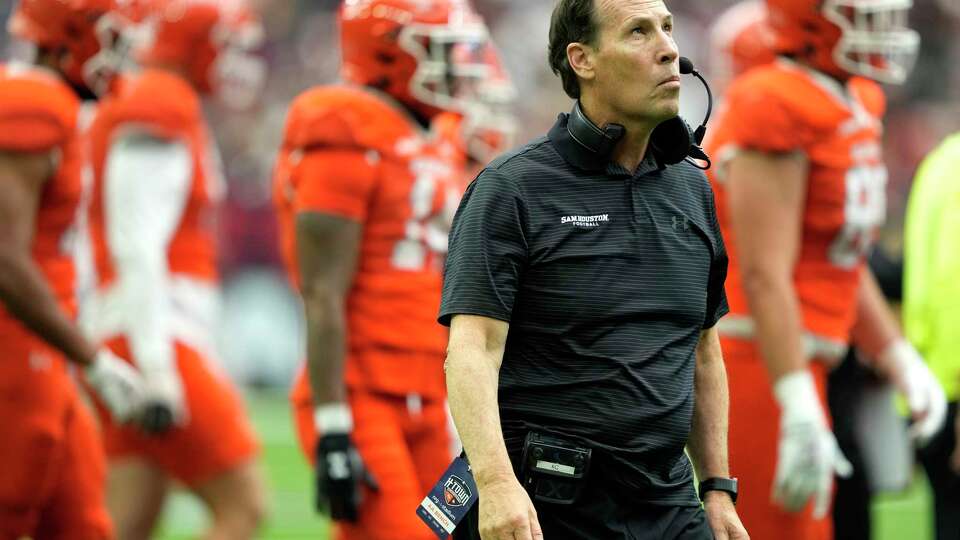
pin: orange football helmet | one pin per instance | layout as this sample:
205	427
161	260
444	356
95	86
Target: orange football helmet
212	40
404	48
739	40
69	25
489	126
847	37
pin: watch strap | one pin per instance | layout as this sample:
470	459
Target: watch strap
728	485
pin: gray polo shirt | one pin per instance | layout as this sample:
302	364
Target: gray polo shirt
607	278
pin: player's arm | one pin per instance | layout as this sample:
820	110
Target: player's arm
766	194
27	296
146	186
332	193
23	289
328	247
877	334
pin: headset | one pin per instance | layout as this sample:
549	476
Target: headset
672	141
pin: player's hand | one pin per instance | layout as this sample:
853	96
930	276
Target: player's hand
340	471
119	386
723	518
808	455
922	391
163	406
506	512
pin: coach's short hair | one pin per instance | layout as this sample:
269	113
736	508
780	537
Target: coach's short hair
573	21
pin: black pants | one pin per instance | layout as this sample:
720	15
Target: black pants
851	504
599	515
935	457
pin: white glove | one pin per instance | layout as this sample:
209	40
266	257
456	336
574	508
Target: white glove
163	403
808	456
117	383
924	395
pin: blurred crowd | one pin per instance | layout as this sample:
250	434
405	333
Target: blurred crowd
301	51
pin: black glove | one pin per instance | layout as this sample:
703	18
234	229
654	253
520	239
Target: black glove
340	473
157	418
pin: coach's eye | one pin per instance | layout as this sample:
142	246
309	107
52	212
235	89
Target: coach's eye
668	28
639	30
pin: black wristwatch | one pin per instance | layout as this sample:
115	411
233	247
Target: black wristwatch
728	485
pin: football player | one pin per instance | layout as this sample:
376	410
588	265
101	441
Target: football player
52	468
740	39
156	184
366	184
800	185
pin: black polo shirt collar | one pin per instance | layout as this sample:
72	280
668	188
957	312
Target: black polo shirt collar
583	158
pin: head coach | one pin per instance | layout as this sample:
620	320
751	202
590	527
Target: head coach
584	279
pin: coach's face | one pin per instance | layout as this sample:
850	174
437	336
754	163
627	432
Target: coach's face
634	61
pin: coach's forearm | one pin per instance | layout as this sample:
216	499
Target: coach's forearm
708	436
472	378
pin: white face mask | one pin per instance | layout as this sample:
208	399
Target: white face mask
238	75
876	41
119	40
439	76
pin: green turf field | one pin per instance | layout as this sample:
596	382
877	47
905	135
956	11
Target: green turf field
899	517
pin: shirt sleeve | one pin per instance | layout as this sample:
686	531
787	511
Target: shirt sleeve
487	251
764	119
335	181
716	295
147	184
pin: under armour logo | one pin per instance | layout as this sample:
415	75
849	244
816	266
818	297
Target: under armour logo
681	224
338	465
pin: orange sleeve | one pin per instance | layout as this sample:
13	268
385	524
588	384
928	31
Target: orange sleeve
335	181
762	119
35	115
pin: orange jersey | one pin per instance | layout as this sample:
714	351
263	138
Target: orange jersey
39	113
151	121
783	107
351	153
165	107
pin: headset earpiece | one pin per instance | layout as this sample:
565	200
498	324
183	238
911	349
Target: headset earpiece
672	141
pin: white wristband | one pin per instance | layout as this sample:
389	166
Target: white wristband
898	355
333	418
796	391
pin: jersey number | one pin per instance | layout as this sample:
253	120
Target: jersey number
864	211
425	235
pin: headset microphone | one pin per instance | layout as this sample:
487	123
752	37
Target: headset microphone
686	68
672	141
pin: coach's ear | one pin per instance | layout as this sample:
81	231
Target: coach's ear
580	57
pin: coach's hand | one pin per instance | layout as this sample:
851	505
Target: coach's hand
808	455
118	385
341	473
506	512
722	517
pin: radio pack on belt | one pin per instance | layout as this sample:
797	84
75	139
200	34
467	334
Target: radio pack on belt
553	469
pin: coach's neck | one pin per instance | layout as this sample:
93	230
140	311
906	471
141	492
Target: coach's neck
632	147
